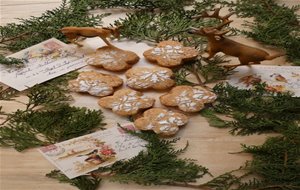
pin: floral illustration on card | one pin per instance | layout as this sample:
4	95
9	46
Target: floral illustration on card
84	154
276	78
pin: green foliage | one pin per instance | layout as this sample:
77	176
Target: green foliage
7	93
82	182
50	93
156	27
48	118
27	129
159	165
34	30
136	4
273	24
209	70
256	111
11	62
277	160
212	119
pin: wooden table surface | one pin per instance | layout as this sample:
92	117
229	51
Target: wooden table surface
211	147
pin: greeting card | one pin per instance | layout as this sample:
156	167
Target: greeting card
42	62
277	78
84	154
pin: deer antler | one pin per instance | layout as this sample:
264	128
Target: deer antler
218	43
216	14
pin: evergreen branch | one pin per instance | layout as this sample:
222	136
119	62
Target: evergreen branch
256	111
27	129
136	4
155	27
212	119
7	94
82	182
15	37
11	62
48	118
273	24
149	167
209	70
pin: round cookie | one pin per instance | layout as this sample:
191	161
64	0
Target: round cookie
161	121
94	83
113	59
126	102
157	78
170	54
188	98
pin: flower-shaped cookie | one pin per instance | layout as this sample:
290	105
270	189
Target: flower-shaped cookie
113	59
161	121
94	83
126	102
170	54
158	78
187	98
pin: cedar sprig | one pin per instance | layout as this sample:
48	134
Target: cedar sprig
273	24
85	182
255	111
158	165
48	118
50	93
11	62
276	161
156	27
33	30
136	4
28	129
205	71
7	93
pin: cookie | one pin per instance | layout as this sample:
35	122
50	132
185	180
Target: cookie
94	83
157	78
161	121
113	59
187	98
126	102
170	54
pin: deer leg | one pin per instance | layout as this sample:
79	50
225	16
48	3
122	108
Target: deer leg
73	41
106	41
243	61
211	54
256	63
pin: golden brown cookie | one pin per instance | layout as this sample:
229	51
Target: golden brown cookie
170	54
126	102
187	98
161	121
113	59
94	83
157	78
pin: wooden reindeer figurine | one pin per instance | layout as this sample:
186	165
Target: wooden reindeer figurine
218	43
73	33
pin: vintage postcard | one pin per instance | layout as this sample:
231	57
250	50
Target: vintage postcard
44	61
277	78
84	154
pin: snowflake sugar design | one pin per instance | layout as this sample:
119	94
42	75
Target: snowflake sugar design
168	52
187	98
96	84
143	78
126	102
161	121
112	59
96	88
